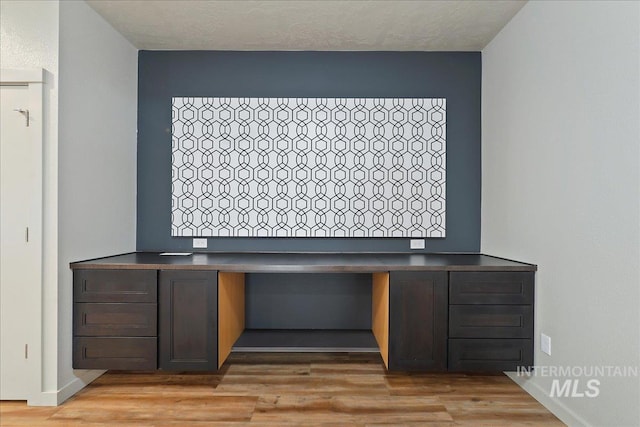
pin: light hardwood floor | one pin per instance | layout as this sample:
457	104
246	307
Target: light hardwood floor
288	390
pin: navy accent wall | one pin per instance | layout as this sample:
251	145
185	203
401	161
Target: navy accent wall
307	301
452	75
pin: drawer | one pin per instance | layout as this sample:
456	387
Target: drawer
115	353
115	319
491	287
115	286
490	355
491	321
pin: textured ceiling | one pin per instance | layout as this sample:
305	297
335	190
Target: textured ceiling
308	25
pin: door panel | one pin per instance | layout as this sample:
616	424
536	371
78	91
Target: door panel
21	244
188	313
418	321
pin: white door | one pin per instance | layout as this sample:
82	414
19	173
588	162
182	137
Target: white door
20	253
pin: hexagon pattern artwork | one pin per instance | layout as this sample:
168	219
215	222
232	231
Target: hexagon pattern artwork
308	167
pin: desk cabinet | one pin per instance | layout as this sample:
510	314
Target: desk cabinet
440	312
418	321
490	320
115	319
188	339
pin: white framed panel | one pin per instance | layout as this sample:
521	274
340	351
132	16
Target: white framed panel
308	167
22	249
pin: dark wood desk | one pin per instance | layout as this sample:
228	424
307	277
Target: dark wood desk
305	262
430	312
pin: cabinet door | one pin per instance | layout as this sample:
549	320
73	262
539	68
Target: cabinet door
418	321
188	326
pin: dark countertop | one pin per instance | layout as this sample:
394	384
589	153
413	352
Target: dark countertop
306	262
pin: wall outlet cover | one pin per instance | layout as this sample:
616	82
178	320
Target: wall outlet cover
545	344
200	243
417	244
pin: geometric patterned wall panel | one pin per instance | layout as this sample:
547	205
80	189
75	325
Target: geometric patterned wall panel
308	167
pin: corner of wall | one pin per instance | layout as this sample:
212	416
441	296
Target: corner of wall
556	407
57	397
560	92
96	161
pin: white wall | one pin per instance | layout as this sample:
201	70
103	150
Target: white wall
560	187
29	39
97	152
89	155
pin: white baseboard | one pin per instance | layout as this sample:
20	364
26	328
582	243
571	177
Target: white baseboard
556	407
55	398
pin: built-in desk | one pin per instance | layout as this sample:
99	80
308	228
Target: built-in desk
430	312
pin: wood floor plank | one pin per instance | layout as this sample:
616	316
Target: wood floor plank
268	369
304	384
162	407
137	379
285	390
495	409
350	409
347	369
448	384
17	413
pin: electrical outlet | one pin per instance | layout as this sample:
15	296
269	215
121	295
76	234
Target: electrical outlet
416	244
545	344
200	243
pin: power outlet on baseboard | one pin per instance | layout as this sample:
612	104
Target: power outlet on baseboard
200	243
545	344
